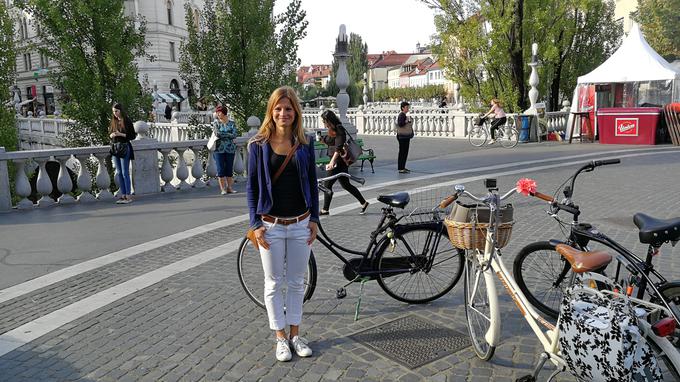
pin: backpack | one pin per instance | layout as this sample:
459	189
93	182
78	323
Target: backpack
600	339
168	112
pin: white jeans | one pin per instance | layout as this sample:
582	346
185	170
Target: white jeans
287	255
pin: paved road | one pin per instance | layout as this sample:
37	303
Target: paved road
149	291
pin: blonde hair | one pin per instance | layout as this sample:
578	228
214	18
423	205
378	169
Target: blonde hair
496	101
269	126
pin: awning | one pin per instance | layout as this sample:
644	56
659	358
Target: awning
169	97
29	101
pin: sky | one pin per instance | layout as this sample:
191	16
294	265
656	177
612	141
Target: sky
382	24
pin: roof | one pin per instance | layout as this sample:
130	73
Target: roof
307	74
390	59
634	61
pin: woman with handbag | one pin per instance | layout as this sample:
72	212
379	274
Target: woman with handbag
283	201
225	149
404	136
336	138
121	133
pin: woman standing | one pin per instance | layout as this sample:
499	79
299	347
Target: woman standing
404	122
121	131
336	138
225	149
283	201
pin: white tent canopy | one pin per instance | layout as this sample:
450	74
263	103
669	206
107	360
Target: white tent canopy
634	61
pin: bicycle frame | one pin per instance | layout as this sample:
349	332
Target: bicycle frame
492	261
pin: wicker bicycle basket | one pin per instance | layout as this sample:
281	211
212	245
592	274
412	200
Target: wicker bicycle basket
468	224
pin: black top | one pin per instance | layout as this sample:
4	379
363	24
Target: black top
130	135
402	119
288	199
336	142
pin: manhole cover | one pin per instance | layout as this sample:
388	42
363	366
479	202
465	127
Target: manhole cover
412	341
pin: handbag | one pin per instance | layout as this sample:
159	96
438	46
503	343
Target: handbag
119	149
212	142
405	131
250	234
350	151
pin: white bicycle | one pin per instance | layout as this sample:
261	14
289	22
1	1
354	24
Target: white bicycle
481	297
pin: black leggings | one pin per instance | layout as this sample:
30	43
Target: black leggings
341	166
404	144
496	124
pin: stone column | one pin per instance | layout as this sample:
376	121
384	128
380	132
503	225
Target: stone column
342	80
533	80
64	183
145	166
44	184
5	197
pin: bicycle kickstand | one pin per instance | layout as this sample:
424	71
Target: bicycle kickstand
361	292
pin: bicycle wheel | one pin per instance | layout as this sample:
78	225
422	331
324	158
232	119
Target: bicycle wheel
478	136
251	275
542	275
422	266
669	370
508	136
671	292
478	309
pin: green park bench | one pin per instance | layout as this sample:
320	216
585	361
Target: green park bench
322	157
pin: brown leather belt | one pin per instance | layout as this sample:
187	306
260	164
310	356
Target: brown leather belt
284	221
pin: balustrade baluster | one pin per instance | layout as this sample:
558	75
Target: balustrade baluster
84	180
166	172
239	167
44	184
103	180
197	167
211	170
22	186
64	183
182	172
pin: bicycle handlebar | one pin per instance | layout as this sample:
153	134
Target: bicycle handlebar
460	190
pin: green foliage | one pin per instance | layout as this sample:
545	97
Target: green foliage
411	94
357	65
660	23
242	52
94	45
8	130
486	45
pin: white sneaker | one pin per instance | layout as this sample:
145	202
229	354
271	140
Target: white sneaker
283	353
491	142
300	346
223	192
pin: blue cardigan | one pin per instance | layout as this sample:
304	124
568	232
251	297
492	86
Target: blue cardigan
259	187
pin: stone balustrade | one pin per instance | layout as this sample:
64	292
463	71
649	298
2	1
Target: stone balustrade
159	167
41	133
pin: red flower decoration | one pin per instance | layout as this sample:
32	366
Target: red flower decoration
526	186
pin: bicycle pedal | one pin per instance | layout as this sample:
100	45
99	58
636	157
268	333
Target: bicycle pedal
526	378
340	293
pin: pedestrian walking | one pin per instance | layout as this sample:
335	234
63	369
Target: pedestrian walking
283	202
335	140
121	133
225	149
404	136
499	118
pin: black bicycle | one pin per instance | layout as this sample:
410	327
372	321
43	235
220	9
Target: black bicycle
542	274
412	261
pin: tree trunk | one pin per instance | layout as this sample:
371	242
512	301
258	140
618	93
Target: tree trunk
555	88
516	54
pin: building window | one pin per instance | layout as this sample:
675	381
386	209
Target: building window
25	62
172	51
30	63
169	7
25	24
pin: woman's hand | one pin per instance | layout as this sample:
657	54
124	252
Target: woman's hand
313	229
259	237
330	166
112	135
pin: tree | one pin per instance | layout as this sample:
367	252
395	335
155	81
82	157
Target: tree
660	22
8	129
94	46
486	46
357	65
241	52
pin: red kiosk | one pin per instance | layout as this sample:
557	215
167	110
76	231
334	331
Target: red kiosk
623	98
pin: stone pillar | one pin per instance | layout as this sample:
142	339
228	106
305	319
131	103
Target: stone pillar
459	124
361	120
342	80
44	184
5	196
145	171
533	80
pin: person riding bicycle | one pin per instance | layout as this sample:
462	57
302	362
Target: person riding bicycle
499	118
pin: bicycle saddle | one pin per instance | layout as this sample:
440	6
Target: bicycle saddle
656	231
583	261
397	200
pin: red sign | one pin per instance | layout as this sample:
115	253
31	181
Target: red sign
626	127
34	91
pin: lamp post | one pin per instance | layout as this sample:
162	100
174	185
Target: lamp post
533	78
342	79
365	89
